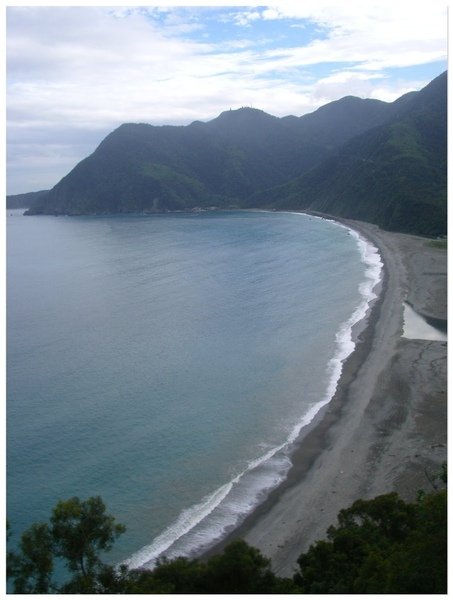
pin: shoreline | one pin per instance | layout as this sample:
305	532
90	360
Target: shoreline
385	428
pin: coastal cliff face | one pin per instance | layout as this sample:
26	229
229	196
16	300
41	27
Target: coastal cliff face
363	159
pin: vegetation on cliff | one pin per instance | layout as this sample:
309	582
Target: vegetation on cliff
394	175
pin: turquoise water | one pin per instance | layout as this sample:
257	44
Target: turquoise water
168	362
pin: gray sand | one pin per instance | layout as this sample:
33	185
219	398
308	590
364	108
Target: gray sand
386	428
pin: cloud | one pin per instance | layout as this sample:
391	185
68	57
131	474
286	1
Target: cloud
78	72
247	18
377	35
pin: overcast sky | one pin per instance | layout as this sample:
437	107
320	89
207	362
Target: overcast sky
76	73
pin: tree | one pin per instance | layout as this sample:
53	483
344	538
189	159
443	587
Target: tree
78	532
420	564
384	545
32	569
242	569
81	530
380	546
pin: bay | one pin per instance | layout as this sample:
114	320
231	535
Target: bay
167	362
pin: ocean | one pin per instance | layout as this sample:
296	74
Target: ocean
168	363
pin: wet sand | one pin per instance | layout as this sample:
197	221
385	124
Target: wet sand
386	428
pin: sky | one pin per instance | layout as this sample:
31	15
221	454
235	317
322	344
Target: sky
75	73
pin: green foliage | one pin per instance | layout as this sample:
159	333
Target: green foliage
420	565
394	174
77	533
439	244
406	141
80	531
381	546
384	545
240	569
32	569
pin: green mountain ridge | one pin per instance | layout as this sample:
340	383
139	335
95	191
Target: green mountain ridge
356	158
394	175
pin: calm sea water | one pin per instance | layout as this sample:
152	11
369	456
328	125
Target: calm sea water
168	362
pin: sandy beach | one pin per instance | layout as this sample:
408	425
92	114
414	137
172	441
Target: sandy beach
386	428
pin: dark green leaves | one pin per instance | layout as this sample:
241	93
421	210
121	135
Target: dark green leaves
78	532
381	546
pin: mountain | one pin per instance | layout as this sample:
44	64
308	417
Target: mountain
394	175
140	167
364	159
23	200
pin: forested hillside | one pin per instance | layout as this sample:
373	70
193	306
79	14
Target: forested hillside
23	200
394	175
363	159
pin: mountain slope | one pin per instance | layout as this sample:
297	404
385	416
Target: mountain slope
393	175
23	200
140	167
363	159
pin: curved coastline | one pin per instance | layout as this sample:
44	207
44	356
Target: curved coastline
361	441
312	438
177	538
385	428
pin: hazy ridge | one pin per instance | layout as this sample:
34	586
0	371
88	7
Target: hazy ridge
356	158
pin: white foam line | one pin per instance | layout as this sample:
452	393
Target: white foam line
191	517
185	522
345	345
